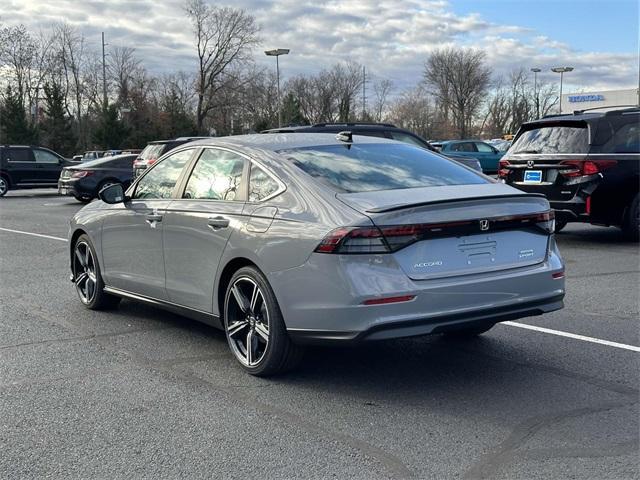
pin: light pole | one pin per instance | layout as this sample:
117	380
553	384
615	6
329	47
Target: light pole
561	71
536	71
276	53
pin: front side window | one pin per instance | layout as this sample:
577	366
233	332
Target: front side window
216	176
160	181
370	167
261	185
463	147
42	156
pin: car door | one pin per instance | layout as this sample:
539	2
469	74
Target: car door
198	226
21	165
48	166
132	231
489	157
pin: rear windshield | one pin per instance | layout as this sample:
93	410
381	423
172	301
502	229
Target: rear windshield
553	139
151	151
369	167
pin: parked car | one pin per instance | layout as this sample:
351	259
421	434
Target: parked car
92	155
112	153
586	163
77	158
154	150
383	130
24	166
282	240
83	182
488	156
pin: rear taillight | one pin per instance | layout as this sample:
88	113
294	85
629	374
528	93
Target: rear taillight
503	170
388	239
579	168
81	174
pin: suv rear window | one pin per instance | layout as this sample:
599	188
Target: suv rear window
370	167
553	139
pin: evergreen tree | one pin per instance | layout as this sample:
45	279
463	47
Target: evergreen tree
111	132
14	125
291	112
57	125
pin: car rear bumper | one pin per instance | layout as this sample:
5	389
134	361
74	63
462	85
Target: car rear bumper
322	300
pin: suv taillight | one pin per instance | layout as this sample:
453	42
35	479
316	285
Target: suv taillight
579	168
388	239
503	171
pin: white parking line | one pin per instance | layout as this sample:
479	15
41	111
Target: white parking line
34	234
633	348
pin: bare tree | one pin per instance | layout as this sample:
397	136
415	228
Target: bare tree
346	80
224	38
413	110
123	66
381	91
459	79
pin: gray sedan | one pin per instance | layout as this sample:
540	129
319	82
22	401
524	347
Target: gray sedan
288	239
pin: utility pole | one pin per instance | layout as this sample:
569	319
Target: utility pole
276	53
364	92
535	90
104	76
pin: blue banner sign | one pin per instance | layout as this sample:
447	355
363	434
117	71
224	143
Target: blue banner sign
586	98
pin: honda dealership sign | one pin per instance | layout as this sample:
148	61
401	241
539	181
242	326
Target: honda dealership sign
608	98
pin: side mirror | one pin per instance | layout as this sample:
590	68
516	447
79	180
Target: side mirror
112	194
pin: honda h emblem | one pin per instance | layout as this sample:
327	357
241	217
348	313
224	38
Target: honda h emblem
484	225
530	164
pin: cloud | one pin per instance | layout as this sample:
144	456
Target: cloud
391	37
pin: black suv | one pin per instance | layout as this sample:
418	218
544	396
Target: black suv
29	167
383	130
154	150
586	163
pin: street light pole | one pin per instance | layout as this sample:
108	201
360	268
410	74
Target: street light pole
535	90
561	71
276	53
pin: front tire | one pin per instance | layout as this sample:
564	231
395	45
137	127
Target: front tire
87	277
254	325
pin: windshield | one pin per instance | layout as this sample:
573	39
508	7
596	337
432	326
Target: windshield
553	139
369	167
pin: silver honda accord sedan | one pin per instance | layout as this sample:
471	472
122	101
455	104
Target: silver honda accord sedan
287	239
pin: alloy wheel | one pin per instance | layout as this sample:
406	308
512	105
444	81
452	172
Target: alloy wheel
247	321
84	272
4	186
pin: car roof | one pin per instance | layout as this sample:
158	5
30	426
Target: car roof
335	127
585	115
104	160
285	141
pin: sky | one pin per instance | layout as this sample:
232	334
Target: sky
392	38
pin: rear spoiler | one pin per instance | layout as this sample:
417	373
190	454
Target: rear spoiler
391	208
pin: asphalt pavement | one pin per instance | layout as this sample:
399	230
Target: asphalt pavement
142	393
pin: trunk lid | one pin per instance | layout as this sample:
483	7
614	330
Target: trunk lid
458	229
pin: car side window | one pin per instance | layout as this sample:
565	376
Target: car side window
19	155
261	185
161	179
216	176
42	156
483	147
463	147
626	139
406	138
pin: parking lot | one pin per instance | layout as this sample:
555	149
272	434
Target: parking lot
139	392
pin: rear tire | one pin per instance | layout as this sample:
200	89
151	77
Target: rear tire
4	185
469	332
87	277
631	223
254	326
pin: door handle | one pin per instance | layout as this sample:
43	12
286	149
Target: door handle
153	217
218	222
